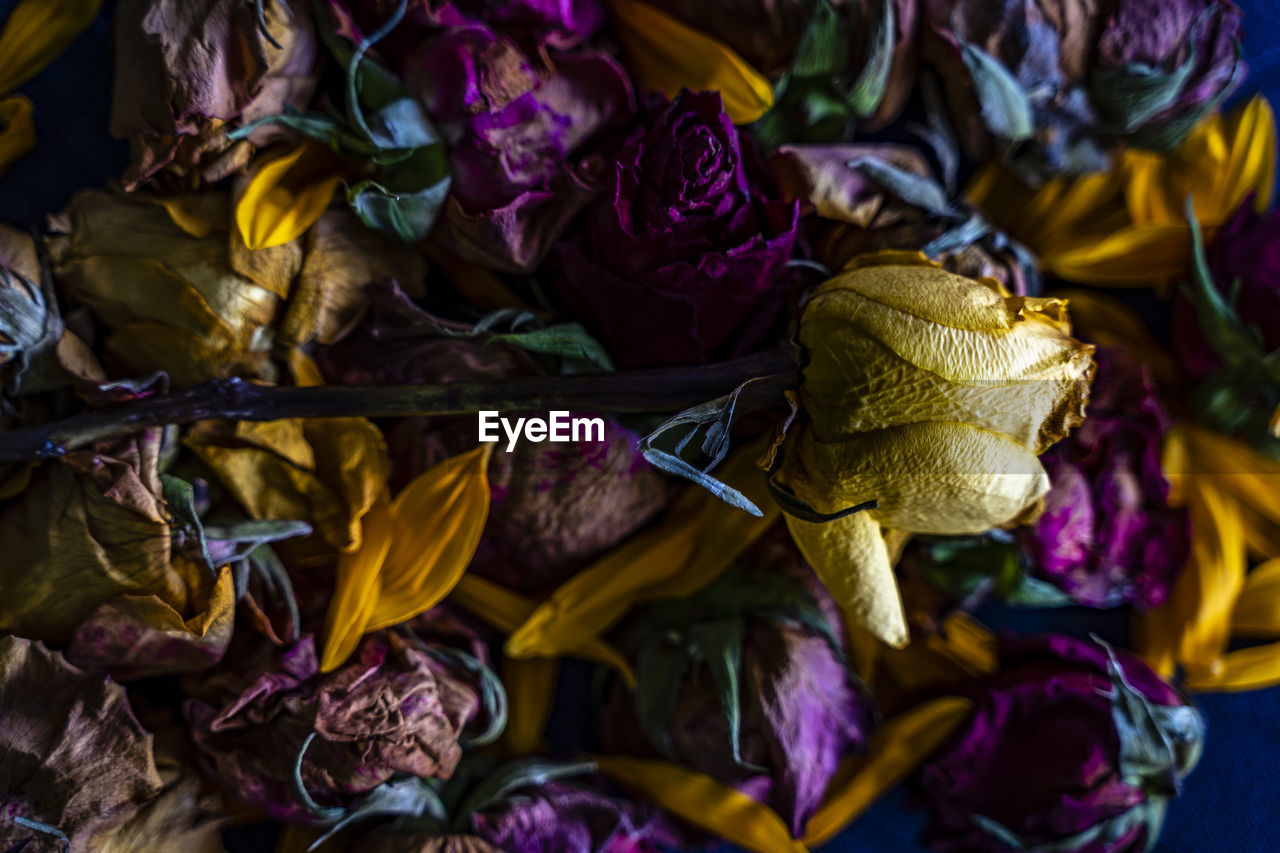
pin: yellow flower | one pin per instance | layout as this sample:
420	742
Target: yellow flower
1233	497
414	550
1127	227
664	54
931	395
34	33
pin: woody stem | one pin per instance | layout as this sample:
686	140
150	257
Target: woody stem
663	390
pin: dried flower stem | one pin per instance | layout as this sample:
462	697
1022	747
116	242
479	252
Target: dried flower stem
665	390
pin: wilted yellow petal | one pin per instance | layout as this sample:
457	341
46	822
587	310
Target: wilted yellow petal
664	54
703	802
1254	668
531	691
1127	227
36	32
1257	612
1200	606
285	196
17	131
969	643
940	478
695	541
438	519
896	749
507	610
850	558
355	593
895	339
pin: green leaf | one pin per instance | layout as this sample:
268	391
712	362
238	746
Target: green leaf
867	91
566	340
719	643
23	313
402	798
924	193
405	216
1136	93
324	813
43	829
493	696
660	670
1233	342
264	561
823	49
1006	110
510	778
180	497
237	541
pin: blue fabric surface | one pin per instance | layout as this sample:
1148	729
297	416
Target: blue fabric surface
1229	802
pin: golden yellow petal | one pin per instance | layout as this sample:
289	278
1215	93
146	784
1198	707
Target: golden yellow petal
355	592
285	195
851	559
1257	612
897	748
351	460
1253	668
703	802
35	32
697	539
17	130
507	610
664	54
531	691
1136	256
438	520
1200	606
1251	165
941	478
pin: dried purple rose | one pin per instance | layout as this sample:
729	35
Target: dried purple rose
1072	747
516	133
73	758
690	239
1108	535
392	708
778	706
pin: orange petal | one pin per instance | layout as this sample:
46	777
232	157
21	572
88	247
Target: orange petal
531	691
438	519
35	32
703	802
285	196
355	591
17	131
664	54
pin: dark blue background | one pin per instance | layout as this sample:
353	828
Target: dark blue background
1232	802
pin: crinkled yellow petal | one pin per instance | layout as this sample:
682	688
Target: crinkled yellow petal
438	519
703	802
897	748
35	32
507	610
664	54
850	558
1257	612
285	196
355	593
531	691
17	131
1253	668
941	478
696	540
1251	165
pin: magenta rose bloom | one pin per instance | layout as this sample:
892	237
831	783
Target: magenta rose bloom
392	708
1108	535
797	709
1072	747
690	241
516	133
